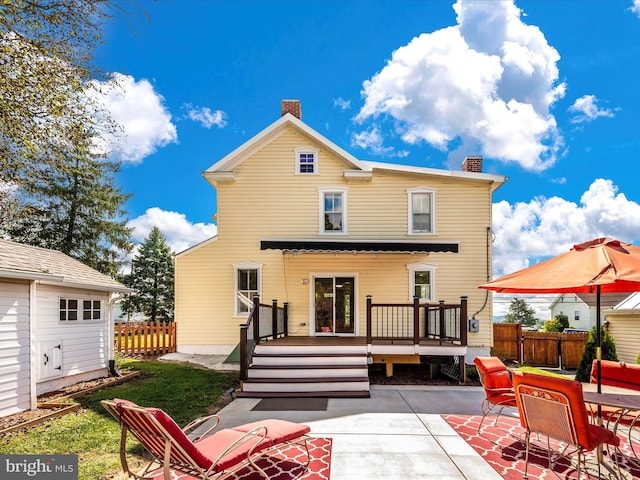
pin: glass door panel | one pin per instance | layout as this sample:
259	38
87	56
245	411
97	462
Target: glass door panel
344	303
324	305
334	305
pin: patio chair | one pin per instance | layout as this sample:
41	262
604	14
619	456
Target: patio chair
208	455
554	407
498	388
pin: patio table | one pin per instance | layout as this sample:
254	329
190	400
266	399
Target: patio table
626	403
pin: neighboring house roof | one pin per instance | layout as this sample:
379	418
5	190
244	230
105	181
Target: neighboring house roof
607	300
223	169
632	302
21	261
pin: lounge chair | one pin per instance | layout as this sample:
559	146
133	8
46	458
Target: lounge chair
498	388
208	455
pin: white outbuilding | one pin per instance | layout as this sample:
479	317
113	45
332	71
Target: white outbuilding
56	323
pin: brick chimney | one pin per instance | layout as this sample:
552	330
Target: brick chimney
293	107
472	164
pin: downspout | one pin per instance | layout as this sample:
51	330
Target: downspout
111	334
486	295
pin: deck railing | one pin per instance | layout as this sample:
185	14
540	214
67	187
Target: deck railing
414	322
265	321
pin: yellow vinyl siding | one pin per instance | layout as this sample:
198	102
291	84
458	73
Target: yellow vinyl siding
268	200
625	329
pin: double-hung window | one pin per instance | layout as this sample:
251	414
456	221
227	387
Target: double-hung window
421	211
306	161
422	281
247	278
333	211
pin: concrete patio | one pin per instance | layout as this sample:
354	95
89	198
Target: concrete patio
396	434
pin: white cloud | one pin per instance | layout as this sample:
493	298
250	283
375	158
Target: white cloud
525	233
636	7
488	81
587	109
206	117
342	103
372	140
177	230
141	113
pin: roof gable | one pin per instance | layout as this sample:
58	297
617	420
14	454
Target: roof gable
222	170
50	266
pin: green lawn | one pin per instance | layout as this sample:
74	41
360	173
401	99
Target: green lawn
183	392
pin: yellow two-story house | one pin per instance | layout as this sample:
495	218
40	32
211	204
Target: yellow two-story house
338	245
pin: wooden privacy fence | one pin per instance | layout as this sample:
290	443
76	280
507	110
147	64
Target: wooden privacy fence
145	338
539	349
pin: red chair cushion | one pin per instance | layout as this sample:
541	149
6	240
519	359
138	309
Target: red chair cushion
499	380
489	364
278	431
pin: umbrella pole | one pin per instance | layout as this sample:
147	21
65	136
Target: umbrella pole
598	341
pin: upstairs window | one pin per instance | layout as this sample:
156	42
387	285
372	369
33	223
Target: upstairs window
306	161
421	211
333	217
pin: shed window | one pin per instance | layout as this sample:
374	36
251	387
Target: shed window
72	309
68	309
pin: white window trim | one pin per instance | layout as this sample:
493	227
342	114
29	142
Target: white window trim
410	193
422	267
321	193
300	150
245	266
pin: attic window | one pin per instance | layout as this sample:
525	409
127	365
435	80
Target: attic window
306	161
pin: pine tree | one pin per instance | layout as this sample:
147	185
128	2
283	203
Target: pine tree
74	207
520	312
152	279
608	345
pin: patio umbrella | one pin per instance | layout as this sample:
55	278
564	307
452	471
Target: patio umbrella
599	266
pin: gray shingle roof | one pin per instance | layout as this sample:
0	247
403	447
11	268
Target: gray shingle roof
50	266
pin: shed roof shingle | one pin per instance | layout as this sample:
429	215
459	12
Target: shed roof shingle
24	261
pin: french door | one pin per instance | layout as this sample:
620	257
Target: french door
334	307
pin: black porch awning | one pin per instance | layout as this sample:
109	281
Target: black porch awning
370	246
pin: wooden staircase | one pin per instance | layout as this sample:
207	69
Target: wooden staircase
307	371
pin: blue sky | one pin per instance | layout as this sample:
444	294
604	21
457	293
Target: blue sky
546	91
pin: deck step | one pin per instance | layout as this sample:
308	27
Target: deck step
332	394
295	386
307	370
310	360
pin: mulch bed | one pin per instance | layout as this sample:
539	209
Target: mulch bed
51	397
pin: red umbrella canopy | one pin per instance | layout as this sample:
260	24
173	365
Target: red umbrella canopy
612	264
